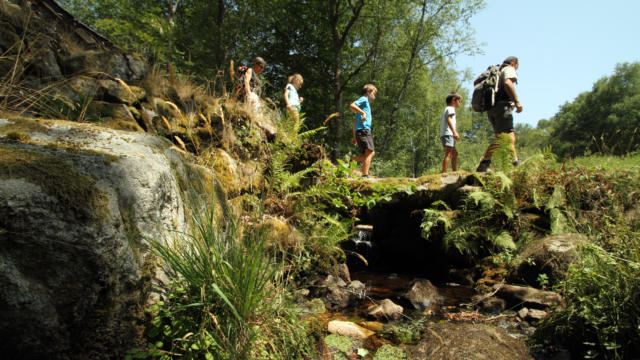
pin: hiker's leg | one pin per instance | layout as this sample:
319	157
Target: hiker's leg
358	158
368	155
512	135
454	160
447	157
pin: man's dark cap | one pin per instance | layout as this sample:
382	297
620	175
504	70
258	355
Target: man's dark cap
510	59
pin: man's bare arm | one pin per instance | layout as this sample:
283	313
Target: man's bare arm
510	88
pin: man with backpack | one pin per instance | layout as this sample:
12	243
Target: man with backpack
501	113
249	83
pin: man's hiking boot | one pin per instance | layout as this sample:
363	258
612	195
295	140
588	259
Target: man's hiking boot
516	163
484	165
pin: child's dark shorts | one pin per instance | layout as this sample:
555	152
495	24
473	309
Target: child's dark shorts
364	138
448	141
501	117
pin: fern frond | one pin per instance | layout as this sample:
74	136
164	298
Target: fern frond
505	181
431	219
557	199
484	200
312	132
291	181
504	241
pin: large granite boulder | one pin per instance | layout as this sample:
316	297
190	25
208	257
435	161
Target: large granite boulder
78	207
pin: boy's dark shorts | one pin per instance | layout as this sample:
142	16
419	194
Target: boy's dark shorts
448	140
364	138
501	117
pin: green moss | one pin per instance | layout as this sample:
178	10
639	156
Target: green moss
133	234
16	136
57	178
25	126
342	343
388	352
403	333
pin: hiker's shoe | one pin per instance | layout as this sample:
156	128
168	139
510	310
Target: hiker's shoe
484	165
516	163
366	176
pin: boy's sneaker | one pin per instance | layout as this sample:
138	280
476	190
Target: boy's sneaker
484	165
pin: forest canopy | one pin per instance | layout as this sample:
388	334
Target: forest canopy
406	48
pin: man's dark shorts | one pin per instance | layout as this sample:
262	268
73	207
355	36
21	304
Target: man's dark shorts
365	140
501	117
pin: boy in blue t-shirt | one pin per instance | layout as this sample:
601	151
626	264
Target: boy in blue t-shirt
448	132
362	135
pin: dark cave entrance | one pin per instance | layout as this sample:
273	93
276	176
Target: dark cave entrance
389	238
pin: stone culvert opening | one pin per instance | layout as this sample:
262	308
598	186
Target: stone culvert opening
389	237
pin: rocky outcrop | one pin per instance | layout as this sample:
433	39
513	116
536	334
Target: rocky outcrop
79	205
45	44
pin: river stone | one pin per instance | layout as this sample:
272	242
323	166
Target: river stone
77	211
521	296
334	292
492	304
422	294
387	309
550	256
347	328
532	315
449	340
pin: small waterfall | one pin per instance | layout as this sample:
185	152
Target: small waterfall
360	247
363	239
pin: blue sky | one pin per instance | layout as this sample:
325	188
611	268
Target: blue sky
564	47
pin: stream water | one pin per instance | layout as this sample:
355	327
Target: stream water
455	301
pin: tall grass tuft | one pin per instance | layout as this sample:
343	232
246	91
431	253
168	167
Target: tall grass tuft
226	291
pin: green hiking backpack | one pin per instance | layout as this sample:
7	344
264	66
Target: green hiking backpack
485	88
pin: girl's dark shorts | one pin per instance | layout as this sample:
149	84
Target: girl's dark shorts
364	138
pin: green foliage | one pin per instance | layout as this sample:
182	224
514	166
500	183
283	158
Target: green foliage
603	302
431	219
389	352
226	292
480	225
404	333
364	194
342	343
603	120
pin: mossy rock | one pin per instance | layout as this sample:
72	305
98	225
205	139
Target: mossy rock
16	124
58	178
279	233
342	343
389	352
